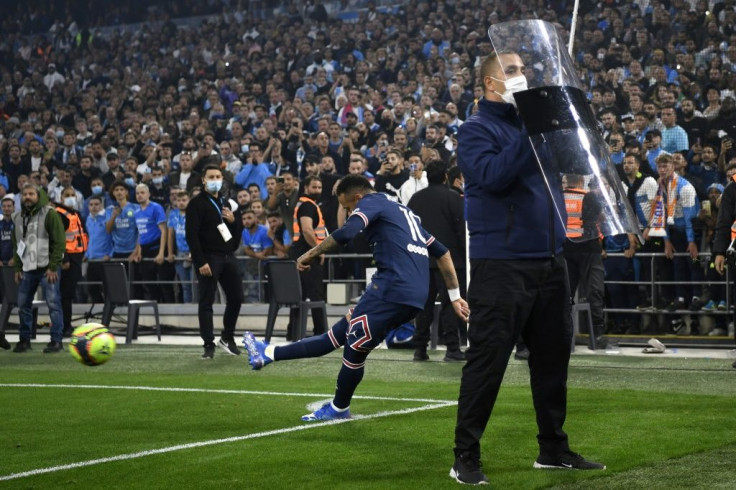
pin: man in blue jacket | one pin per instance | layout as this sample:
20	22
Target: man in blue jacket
519	284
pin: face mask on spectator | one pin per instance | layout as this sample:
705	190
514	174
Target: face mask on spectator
130	182
70	202
96	189
157	180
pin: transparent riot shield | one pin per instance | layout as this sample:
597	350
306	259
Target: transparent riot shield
564	132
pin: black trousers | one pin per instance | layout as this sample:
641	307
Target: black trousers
225	271
449	322
586	275
94	274
313	288
508	298
147	273
68	288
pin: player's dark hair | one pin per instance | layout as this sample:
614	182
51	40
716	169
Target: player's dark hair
350	184
436	172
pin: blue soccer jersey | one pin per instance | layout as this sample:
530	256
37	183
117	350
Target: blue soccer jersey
258	241
148	220
401	249
125	232
178	222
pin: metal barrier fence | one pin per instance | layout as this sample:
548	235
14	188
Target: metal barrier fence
254	280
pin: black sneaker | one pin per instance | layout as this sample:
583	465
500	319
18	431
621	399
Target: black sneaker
229	346
53	347
467	469
454	356
4	344
675	305
696	304
209	351
23	345
566	461
421	355
521	355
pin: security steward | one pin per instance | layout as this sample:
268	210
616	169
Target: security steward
723	243
583	252
77	241
213	235
309	231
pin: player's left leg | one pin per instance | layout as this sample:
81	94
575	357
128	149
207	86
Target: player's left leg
371	321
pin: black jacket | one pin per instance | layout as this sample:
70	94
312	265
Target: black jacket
203	216
442	213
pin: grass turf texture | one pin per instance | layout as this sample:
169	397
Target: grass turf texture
656	423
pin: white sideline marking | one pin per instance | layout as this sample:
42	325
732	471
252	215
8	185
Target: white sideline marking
204	390
213	442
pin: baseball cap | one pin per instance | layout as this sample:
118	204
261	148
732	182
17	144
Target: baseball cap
11	197
628	116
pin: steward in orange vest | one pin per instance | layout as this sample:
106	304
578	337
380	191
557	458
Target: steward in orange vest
320	231
71	265
76	237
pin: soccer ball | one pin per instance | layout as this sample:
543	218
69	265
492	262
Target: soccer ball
92	344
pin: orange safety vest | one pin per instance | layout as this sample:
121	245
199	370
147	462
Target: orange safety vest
574	207
320	231
76	239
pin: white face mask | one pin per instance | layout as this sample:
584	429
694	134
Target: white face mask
513	85
70	202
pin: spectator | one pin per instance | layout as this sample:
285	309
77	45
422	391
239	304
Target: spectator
392	175
38	226
121	226
256	244
674	137
177	246
99	249
150	250
255	171
416	182
279	234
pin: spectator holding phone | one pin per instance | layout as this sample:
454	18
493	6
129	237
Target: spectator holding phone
392	175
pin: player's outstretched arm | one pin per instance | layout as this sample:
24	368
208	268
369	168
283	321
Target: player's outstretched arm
453	286
328	244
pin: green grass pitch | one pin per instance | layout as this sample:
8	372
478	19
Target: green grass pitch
159	417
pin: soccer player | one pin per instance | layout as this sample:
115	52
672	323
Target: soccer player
401	249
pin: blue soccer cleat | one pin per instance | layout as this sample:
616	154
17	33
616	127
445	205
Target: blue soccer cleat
326	413
256	351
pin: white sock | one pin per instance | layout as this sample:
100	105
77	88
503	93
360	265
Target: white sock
339	410
269	351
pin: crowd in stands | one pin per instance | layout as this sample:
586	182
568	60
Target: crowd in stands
274	92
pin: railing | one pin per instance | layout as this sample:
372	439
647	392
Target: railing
256	284
652	284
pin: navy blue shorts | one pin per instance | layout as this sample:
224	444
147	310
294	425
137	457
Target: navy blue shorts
373	319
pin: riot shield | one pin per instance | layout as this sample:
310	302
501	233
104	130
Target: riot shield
564	133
